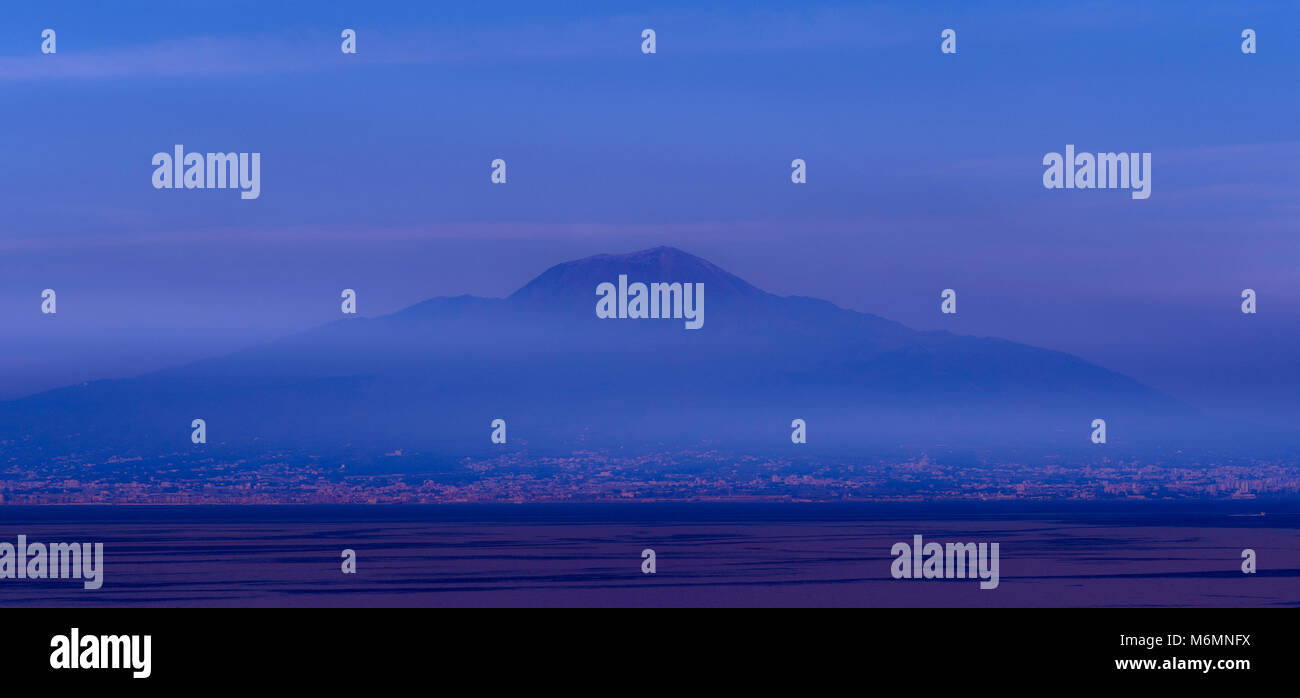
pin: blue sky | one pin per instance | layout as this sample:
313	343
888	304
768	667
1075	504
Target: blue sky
924	170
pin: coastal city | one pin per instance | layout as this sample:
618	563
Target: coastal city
591	476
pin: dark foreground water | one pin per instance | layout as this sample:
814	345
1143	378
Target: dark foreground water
1124	554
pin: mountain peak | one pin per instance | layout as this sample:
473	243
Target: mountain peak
661	255
580	277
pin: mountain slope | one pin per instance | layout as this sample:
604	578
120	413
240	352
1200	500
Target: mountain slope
433	376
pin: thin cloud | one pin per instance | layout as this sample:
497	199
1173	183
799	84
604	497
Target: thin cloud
305	50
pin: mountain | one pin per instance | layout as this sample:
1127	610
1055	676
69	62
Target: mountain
433	376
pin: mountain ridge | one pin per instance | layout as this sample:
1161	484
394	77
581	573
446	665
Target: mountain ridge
541	357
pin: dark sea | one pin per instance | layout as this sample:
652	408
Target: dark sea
1123	554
